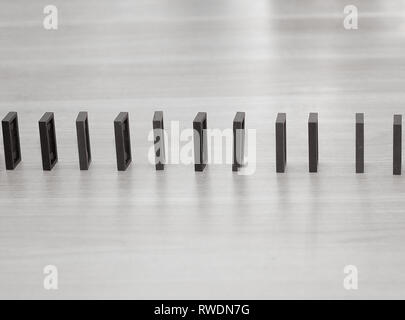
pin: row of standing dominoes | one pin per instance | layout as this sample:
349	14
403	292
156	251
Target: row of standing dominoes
12	150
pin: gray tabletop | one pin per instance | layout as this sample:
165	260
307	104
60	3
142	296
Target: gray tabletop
216	234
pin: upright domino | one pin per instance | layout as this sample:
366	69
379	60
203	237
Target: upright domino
159	140
397	145
122	141
281	142
238	141
200	141
359	142
313	145
11	140
83	140
47	135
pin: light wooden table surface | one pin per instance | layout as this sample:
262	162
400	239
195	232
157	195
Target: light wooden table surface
181	234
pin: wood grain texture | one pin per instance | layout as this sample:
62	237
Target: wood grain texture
181	234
